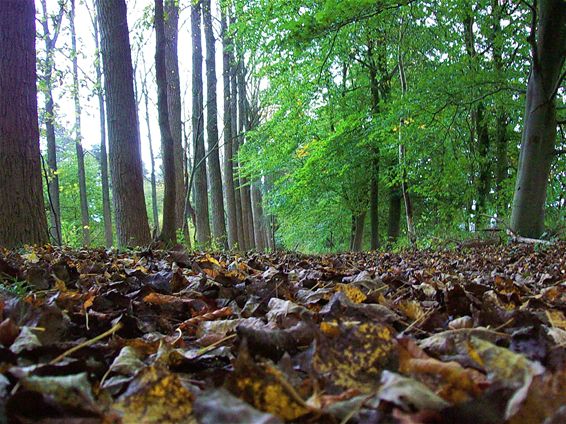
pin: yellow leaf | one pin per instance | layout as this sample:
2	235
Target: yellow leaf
353	293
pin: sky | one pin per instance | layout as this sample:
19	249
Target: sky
142	41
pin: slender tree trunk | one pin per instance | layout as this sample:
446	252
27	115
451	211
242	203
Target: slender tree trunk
106	210
53	176
78	134
359	224
200	183
171	8
228	142
23	215
247	215
539	132
168	231
259	219
154	208
215	174
235	147
501	139
394	215
374	184
125	156
404	180
481	127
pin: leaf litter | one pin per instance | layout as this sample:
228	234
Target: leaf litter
475	335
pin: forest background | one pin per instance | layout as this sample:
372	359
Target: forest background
353	110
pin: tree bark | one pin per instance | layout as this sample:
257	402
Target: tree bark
480	127
235	145
404	180
501	139
358	239
259	219
168	231
125	157
78	133
106	209
154	208
228	141
539	131
247	215
200	182
53	176
215	174
22	208
394	215
171	8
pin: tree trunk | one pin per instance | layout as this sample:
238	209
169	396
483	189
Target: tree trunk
247	215
235	147
171	8
200	183
168	231
404	180
53	177
228	142
480	127
125	157
539	132
501	139
358	239
394	215
259	219
154	208
78	134
215	174
22	208
106	210
373	209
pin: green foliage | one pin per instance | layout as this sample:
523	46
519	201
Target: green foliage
327	129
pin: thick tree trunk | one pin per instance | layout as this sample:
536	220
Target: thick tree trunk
168	231
22	209
215	174
78	133
247	215
394	215
539	132
106	210
125	157
171	8
53	176
228	142
200	182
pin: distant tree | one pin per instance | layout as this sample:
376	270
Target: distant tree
200	182
171	8
50	36
230	194
168	231
22	211
78	133
106	208
215	174
125	156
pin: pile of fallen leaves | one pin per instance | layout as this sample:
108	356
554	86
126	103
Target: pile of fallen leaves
472	336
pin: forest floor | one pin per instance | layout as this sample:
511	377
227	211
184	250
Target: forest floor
456	336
